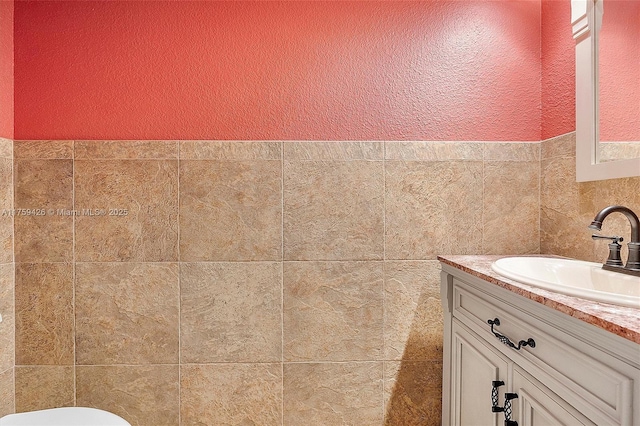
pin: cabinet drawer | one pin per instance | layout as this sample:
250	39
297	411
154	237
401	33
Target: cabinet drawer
587	378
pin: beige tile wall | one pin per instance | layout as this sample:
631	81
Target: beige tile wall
253	282
262	282
7	303
568	207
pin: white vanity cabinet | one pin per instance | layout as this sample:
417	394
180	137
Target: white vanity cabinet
576	374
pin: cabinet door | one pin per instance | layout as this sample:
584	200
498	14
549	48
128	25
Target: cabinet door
474	367
536	405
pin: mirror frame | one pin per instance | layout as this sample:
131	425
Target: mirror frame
586	21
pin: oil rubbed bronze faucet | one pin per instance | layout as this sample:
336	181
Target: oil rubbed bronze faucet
614	263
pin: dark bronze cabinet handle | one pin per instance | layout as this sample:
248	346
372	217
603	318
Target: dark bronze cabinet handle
504	339
507	409
495	408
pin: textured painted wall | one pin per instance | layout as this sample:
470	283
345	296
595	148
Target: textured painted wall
454	70
558	69
619	68
6	69
620	71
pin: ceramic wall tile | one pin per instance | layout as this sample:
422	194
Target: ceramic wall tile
624	191
131	150
42	189
333	311
512	151
6	148
433	207
560	146
142	395
230	210
413	319
511	207
42	387
231	312
566	209
137	203
7	392
231	394
6	210
43	183
619	151
230	150
336	150
333	210
126	313
433	151
333	394
41	149
7	298
7	308
347	330
44	314
43	238
412	393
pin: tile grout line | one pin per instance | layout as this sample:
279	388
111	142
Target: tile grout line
304	361
384	269
13	258
482	240
282	283
73	271
539	197
179	295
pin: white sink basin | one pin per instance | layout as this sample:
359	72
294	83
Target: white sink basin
572	277
66	416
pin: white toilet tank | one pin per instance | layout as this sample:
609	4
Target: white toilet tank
67	416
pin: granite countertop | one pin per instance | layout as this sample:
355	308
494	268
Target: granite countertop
623	321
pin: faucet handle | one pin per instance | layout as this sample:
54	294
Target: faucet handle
614	250
615	239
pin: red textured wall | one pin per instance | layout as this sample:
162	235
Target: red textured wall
459	70
6	69
619	68
558	70
620	71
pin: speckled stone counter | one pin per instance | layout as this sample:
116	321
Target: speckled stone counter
623	321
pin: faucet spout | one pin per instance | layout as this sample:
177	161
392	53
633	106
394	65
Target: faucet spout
633	220
633	261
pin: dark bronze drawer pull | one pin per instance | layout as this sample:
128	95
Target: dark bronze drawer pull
504	339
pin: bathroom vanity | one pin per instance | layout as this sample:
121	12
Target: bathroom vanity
533	357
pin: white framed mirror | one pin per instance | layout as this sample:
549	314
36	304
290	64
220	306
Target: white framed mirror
596	160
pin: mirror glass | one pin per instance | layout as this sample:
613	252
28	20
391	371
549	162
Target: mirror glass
618	47
607	110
